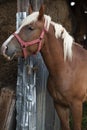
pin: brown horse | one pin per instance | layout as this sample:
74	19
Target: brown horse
66	62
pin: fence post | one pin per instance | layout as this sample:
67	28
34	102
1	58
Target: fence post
35	110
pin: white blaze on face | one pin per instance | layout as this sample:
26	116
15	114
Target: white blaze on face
8	40
4	46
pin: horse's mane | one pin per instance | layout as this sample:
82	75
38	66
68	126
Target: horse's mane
60	31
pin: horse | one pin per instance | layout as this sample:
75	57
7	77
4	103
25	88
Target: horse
65	60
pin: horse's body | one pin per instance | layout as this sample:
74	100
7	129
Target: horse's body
67	81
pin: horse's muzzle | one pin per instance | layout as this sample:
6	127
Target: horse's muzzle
3	52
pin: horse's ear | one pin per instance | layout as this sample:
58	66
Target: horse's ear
30	9
41	12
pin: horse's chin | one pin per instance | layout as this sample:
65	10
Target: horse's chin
14	55
10	57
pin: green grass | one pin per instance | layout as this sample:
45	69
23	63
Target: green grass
84	118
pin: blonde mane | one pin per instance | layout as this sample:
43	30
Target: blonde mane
60	31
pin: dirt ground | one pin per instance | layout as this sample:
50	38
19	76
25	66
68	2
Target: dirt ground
8	70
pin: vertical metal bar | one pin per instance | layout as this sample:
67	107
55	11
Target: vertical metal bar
36	4
26	89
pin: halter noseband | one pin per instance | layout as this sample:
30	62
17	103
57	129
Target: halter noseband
26	44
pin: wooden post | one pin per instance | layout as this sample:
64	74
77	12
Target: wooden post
7	109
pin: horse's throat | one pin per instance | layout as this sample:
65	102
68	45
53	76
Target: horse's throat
52	53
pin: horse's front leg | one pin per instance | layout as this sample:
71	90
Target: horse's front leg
63	114
61	111
76	109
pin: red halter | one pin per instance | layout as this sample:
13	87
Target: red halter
26	44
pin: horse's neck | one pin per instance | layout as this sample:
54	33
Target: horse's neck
52	51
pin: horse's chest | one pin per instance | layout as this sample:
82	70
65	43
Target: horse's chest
61	99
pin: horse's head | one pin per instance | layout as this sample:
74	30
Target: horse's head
28	39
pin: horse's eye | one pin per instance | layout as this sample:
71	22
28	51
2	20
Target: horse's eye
31	28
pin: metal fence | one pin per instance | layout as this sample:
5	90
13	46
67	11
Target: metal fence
35	110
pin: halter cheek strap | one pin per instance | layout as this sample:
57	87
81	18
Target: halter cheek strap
26	44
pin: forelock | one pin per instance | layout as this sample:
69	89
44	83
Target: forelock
33	18
29	19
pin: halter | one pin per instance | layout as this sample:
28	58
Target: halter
26	44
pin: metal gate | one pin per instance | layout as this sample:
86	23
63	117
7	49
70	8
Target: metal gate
35	110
